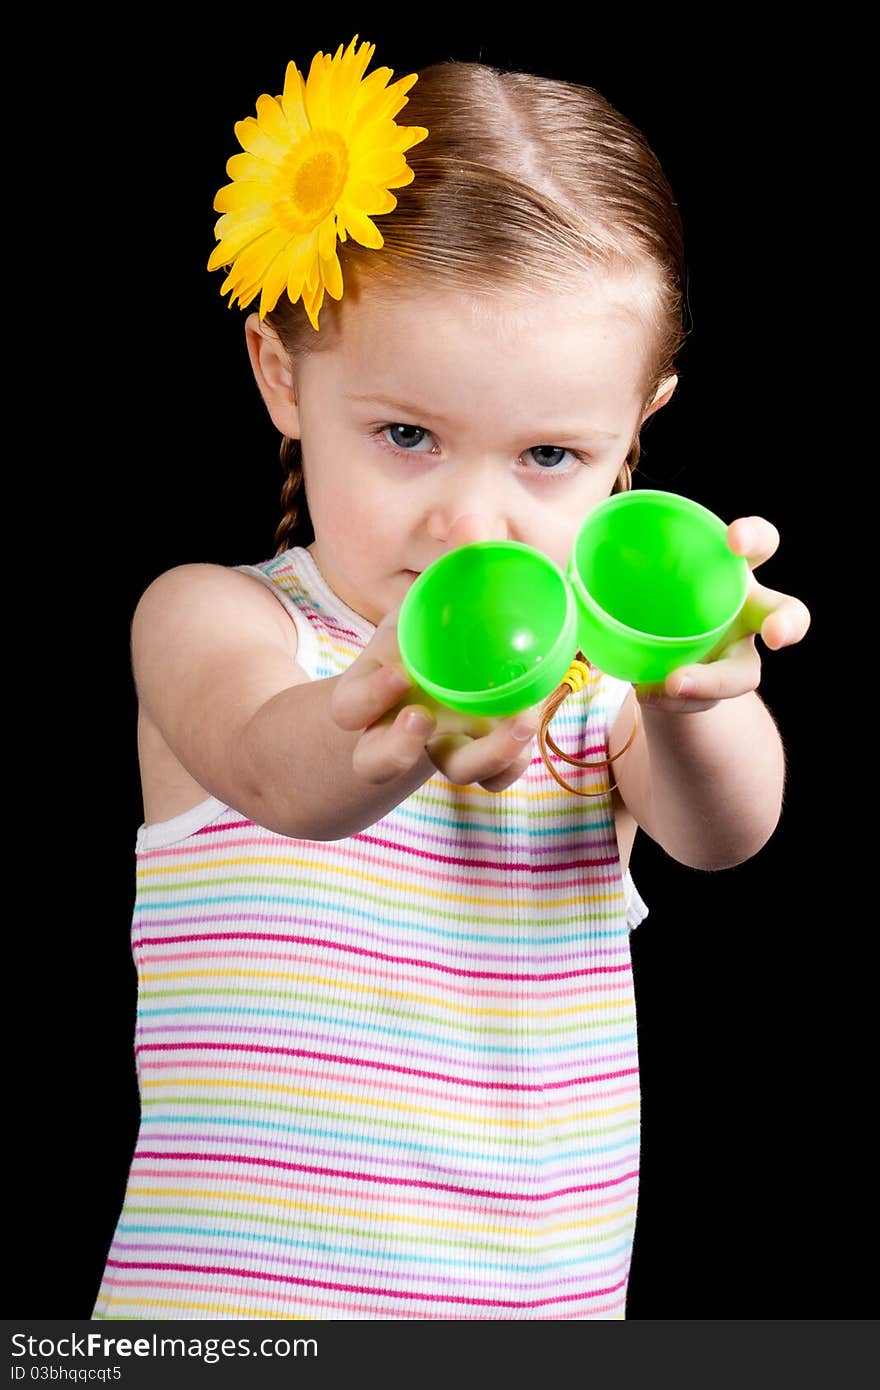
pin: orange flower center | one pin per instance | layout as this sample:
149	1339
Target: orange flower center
310	180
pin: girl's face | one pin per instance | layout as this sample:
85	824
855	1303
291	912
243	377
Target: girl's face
430	424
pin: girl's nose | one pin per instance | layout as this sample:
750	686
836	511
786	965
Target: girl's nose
454	529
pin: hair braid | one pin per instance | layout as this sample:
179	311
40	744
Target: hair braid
294	507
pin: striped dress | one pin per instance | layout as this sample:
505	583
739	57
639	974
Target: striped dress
392	1076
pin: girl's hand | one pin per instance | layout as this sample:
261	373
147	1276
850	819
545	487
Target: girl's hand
401	724
734	667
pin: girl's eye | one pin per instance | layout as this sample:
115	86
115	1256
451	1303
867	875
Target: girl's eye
407	437
549	456
546	458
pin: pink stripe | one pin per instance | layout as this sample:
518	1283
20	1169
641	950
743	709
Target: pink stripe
212	829
358	1268
319	1078
325	1037
616	949
523	858
385	1180
243	1292
603	989
401	1168
385	1066
433	875
375	955
353	1149
573	773
401	1200
504	866
598	836
520	1278
322	619
364	1288
602	841
317	1158
604	1053
318	617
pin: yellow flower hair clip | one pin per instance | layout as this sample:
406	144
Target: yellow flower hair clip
318	164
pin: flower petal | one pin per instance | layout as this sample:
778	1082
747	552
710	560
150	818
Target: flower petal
275	280
248	166
296	277
293	101
331	274
253	262
327	238
274	230
368	197
253	138
378	165
376	102
406	176
234	197
361	228
317	87
272	120
233	242
228	227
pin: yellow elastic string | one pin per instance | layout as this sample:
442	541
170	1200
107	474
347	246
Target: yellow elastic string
575	678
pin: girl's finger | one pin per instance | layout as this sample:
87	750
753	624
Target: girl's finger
513	774
393	745
735	673
754	538
781	619
485	759
785	624
374	683
359	700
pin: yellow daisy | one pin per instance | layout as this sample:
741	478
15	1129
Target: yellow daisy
318	163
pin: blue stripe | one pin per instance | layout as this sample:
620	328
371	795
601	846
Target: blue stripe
406	1035
396	1030
586	936
513	1266
399	1145
421	818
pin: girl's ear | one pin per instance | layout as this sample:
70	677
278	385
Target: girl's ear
664	392
273	375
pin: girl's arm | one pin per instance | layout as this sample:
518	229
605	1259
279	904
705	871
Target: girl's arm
705	775
707	787
213	654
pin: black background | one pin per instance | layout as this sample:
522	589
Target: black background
150	447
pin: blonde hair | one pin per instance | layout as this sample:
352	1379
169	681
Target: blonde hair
523	182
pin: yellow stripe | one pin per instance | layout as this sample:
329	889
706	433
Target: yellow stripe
234	1312
379	991
566	803
223	1308
352	1214
277	1115
343	1098
341	870
413	1239
522	793
150	897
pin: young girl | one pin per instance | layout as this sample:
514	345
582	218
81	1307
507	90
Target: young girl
386	1039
